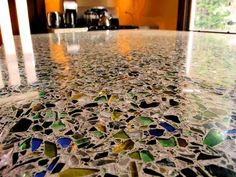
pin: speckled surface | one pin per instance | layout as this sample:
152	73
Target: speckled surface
122	103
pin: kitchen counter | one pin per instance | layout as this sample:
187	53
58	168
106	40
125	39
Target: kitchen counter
68	30
119	103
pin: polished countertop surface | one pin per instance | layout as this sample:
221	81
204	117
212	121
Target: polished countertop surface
119	103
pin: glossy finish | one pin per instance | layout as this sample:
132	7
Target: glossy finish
122	103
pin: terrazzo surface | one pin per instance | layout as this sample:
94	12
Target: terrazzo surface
120	103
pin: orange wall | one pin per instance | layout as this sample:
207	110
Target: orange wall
53	5
162	13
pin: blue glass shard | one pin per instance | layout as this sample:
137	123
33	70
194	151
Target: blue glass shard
167	126
156	132
233	131
40	174
35	144
53	164
64	142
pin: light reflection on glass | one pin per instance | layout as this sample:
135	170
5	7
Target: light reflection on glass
9	45
190	90
29	63
13	70
72	46
19	98
189	53
26	41
193	14
6	29
57	49
24	28
58	38
1	79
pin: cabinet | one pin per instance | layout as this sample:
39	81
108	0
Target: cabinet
37	16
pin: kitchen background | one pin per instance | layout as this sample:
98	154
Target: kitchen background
153	13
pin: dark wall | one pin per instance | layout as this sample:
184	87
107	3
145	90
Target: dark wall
13	14
37	17
184	11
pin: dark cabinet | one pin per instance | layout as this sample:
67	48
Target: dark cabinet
37	16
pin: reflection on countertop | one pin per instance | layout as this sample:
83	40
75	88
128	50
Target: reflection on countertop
121	103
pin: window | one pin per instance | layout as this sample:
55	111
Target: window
213	15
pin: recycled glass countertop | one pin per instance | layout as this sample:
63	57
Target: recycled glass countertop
123	103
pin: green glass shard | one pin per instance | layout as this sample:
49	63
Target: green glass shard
201	107
50	149
121	135
77	172
116	116
213	138
42	93
36	115
101	99
25	144
131	94
146	156
37	128
146	94
58	125
145	120
50	114
82	142
167	142
209	114
63	115
98	134
135	155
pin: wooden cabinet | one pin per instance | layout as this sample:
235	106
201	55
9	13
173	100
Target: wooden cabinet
37	16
